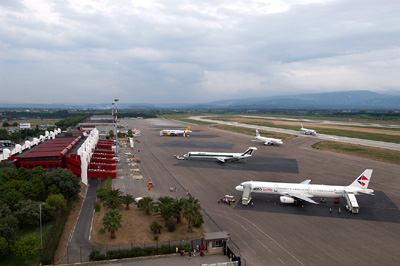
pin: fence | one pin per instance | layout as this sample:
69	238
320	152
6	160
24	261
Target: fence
81	253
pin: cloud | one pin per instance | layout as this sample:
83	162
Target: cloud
191	51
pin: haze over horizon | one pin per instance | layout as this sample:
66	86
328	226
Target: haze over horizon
189	51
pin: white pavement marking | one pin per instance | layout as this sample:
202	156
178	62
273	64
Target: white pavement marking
91	227
273	240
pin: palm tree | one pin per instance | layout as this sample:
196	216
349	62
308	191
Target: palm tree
177	206
166	199
166	211
113	198
190	210
156	227
112	221
146	204
127	199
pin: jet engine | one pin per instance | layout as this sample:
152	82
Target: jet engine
288	200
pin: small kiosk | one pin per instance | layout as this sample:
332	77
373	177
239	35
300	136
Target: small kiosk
216	241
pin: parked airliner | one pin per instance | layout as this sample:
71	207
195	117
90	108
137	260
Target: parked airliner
306	131
175	132
304	191
268	141
220	156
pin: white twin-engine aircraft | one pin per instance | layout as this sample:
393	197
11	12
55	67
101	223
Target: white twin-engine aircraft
176	132
306	131
268	141
304	191
222	157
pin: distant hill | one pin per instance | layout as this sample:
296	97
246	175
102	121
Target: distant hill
344	100
330	100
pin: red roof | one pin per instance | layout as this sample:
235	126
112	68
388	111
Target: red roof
50	148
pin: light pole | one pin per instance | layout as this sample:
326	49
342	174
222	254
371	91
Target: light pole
41	235
116	127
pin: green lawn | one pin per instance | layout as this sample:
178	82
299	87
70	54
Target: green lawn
377	154
252	132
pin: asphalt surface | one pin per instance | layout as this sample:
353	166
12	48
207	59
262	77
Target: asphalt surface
269	233
294	235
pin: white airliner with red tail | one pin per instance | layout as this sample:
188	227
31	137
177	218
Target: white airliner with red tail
304	191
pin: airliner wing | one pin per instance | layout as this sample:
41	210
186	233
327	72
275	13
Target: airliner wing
306	182
302	197
222	160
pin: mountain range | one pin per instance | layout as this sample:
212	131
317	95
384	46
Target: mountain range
344	100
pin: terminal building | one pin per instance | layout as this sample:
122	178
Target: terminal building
82	152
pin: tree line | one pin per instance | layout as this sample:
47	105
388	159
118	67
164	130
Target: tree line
21	193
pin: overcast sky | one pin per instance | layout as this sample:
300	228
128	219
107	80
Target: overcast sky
142	51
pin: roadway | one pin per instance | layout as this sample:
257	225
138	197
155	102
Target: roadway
365	142
261	235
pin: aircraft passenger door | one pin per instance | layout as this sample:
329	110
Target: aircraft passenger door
275	188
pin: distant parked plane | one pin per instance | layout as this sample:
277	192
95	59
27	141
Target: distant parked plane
268	141
306	131
220	156
176	132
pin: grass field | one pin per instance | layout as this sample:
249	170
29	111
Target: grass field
35	122
378	154
194	121
329	131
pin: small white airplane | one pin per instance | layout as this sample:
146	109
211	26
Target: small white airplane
304	191
220	156
306	131
268	141
176	132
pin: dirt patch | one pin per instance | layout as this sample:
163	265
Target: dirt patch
320	126
70	224
136	229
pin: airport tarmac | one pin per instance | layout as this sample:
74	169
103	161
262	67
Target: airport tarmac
269	233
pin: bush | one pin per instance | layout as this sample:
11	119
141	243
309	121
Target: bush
149	251
171	226
96	256
164	249
155	237
109	183
137	252
102	230
97	206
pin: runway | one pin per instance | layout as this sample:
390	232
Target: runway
270	234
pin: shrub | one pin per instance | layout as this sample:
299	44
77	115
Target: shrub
165	249
102	230
148	251
171	226
137	252
96	256
155	237
97	206
109	182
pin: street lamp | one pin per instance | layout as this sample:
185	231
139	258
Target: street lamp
116	127
41	234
